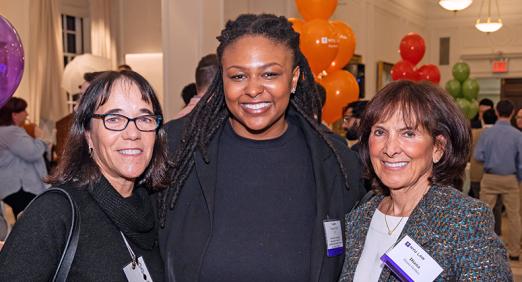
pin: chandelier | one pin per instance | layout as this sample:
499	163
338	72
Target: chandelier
488	24
455	5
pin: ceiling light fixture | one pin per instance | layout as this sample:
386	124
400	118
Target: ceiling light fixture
455	5
488	24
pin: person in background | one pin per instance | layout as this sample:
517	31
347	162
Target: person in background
517	119
22	165
416	143
499	148
205	72
476	169
114	157
256	177
478	121
351	118
124	67
189	92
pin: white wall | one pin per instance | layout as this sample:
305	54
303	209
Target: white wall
379	26
189	30
475	47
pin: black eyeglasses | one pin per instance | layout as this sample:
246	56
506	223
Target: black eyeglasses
117	122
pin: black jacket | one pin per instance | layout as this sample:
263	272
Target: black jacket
184	240
34	247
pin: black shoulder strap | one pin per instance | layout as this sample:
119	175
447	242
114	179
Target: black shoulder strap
62	271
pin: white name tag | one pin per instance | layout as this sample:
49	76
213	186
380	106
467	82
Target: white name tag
410	262
334	237
137	272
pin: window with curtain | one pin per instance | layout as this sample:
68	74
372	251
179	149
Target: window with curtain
72	37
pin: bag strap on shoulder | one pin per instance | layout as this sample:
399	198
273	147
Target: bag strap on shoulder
62	270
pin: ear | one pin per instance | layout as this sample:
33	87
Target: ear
439	148
295	78
88	138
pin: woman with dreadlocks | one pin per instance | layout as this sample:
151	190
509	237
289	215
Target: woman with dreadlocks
259	186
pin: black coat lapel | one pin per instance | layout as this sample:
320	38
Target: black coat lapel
207	171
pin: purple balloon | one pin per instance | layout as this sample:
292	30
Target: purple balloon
11	60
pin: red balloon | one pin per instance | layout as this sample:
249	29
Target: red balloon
341	89
429	72
346	39
403	70
297	24
412	48
316	9
319	44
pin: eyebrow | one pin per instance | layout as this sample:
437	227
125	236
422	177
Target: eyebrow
117	110
259	67
400	129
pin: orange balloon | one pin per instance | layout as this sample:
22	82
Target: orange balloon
297	24
346	39
319	44
341	89
316	9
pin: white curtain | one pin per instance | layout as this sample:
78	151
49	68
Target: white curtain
46	63
102	40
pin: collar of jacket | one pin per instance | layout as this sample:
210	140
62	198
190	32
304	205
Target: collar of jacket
324	178
417	227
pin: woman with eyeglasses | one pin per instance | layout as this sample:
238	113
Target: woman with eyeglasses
114	157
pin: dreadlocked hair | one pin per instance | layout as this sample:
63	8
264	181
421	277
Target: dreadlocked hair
211	112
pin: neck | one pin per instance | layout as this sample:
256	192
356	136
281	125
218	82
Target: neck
504	118
404	201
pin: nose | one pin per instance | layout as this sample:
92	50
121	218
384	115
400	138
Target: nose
391	146
131	132
254	87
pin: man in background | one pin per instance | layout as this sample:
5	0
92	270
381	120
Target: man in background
478	120
499	148
351	117
205	72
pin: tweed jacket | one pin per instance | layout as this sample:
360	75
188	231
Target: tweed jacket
456	230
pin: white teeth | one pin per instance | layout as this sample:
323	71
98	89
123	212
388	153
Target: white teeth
256	106
397	164
130	152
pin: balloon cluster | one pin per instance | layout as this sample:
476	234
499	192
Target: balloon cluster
328	46
412	49
11	60
464	89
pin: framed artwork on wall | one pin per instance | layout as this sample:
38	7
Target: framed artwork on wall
383	74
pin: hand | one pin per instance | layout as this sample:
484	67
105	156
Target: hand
1	245
38	132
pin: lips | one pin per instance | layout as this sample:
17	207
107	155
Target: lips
256	108
130	152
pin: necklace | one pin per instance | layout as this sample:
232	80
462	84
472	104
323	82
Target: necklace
390	231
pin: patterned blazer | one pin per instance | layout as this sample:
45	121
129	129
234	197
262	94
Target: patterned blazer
456	230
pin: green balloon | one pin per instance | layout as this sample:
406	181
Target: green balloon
454	89
470	89
465	107
474	108
461	71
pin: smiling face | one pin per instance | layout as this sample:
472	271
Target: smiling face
402	157
258	77
122	156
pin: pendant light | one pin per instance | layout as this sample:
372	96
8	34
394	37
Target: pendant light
455	5
488	24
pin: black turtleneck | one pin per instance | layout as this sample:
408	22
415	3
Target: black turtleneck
264	209
33	248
